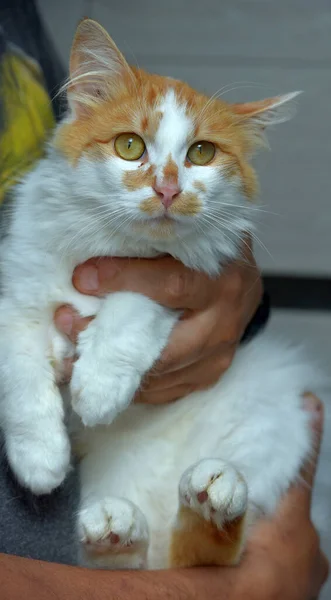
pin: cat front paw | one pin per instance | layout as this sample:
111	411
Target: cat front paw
215	490
42	462
100	394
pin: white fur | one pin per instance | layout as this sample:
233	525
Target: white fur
252	419
171	138
225	489
131	352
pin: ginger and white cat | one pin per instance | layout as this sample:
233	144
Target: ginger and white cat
143	165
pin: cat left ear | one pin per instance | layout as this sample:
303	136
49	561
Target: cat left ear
267	112
97	68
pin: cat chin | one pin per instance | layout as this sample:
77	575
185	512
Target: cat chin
159	228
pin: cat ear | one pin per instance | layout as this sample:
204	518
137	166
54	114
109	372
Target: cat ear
267	112
97	68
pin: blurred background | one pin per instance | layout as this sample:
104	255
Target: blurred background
254	48
250	49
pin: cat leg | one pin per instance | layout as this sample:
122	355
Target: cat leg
113	534
210	526
115	351
31	407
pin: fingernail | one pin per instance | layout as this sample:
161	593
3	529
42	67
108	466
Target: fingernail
312	405
87	278
66	323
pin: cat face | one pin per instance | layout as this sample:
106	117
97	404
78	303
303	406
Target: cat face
170	161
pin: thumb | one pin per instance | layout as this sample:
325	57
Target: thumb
163	279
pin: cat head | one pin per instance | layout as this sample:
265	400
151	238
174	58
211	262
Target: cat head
170	161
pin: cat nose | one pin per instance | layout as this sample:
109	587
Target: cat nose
167	193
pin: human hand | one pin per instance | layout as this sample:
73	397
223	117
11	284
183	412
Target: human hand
202	345
286	549
283	561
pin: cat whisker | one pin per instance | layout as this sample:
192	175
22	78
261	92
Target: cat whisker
98	224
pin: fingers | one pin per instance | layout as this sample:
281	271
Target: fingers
314	406
199	375
186	343
70	323
170	283
180	383
163	396
165	280
298	500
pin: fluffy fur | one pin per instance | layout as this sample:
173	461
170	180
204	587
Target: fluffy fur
232	450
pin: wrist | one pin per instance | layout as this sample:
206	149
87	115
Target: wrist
247	581
259	320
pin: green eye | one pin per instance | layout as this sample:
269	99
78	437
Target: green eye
201	153
129	146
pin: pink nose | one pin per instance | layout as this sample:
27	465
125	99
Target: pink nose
167	193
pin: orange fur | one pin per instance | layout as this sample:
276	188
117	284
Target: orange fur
144	124
170	171
198	542
185	204
133	180
219	123
129	103
199	186
230	166
154	118
233	166
150	205
249	180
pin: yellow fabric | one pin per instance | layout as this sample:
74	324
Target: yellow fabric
26	117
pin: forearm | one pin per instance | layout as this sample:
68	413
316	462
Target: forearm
42	581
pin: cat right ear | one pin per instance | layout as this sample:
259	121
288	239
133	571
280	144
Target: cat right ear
97	68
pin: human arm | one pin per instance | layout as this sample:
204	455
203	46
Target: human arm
283	561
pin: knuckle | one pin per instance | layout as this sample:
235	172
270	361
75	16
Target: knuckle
234	285
204	346
220	365
212	380
226	361
166	362
180	285
232	333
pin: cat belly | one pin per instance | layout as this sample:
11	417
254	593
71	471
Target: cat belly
252	419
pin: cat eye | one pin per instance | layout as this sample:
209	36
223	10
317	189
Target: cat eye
201	153
129	146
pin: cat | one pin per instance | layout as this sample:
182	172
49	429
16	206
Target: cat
143	165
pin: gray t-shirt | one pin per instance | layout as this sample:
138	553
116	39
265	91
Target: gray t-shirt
41	528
